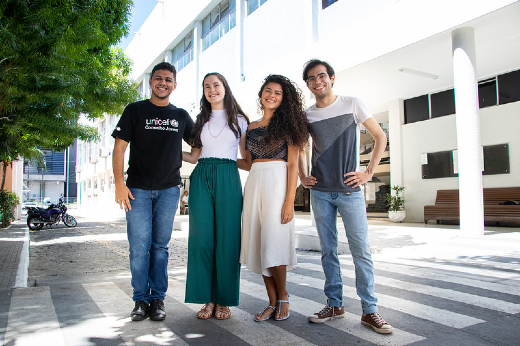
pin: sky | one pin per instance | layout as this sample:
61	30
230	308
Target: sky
140	12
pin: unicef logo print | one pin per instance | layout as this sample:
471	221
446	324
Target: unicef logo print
174	123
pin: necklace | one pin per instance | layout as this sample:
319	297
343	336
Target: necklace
209	130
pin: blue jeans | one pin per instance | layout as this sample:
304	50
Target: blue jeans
351	207
149	229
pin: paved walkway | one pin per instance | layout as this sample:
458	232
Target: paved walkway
14	242
436	285
385	237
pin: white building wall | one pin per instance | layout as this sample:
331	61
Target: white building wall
499	125
281	35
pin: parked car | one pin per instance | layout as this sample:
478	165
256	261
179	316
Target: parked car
29	204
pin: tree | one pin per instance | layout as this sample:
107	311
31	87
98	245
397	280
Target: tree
58	61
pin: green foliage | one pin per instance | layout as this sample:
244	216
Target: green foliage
8	201
395	202
58	61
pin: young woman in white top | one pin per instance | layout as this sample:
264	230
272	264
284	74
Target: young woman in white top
213	275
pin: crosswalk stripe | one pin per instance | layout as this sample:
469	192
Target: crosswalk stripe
36	320
425	273
426	312
350	324
110	298
247	329
495	274
467	298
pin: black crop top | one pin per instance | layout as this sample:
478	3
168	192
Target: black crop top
259	149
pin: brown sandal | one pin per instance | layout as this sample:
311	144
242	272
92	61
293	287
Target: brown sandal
222	312
206	312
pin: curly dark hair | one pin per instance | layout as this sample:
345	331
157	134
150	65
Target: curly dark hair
289	121
233	111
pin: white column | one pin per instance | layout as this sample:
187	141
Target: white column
470	160
311	10
197	49
146	85
17	188
240	13
395	121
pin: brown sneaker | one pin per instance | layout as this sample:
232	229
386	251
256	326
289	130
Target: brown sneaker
327	314
377	323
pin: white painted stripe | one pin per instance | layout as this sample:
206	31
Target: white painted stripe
116	305
241	323
462	297
426	273
452	267
350	324
32	319
23	265
426	312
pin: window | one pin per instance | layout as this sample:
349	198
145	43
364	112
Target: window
487	93
441	164
442	103
218	23
252	5
54	164
327	3
183	52
416	109
509	87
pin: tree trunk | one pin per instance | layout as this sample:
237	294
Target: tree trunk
4	171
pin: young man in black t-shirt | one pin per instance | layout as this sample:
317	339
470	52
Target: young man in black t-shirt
155	129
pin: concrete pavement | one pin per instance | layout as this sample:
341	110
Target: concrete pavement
436	285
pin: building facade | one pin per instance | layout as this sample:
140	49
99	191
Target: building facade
57	179
398	56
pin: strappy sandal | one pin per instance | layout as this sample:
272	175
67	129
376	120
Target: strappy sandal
222	312
206	312
262	312
280	310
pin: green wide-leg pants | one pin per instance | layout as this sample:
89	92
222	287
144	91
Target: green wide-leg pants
214	239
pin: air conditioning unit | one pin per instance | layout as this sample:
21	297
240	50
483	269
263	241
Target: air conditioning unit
104	152
93	159
78	169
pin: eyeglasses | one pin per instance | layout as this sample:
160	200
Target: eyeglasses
321	77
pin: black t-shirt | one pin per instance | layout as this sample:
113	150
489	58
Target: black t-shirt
155	135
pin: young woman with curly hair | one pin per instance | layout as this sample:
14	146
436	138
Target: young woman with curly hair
272	145
213	275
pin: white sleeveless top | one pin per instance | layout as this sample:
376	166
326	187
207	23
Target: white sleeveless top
217	138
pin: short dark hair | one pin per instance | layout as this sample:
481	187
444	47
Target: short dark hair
165	66
309	65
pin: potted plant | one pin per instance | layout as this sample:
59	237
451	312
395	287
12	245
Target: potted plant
395	204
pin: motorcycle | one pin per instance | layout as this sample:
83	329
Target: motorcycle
39	217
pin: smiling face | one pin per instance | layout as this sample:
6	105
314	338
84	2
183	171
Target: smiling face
162	84
319	82
272	96
214	91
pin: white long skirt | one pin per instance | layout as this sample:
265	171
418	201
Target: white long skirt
266	242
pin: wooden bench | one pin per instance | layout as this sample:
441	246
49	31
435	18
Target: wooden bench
447	205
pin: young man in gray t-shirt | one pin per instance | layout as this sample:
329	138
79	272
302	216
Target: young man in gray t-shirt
335	182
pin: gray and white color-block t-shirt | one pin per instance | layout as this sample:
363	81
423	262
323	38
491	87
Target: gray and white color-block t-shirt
335	142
